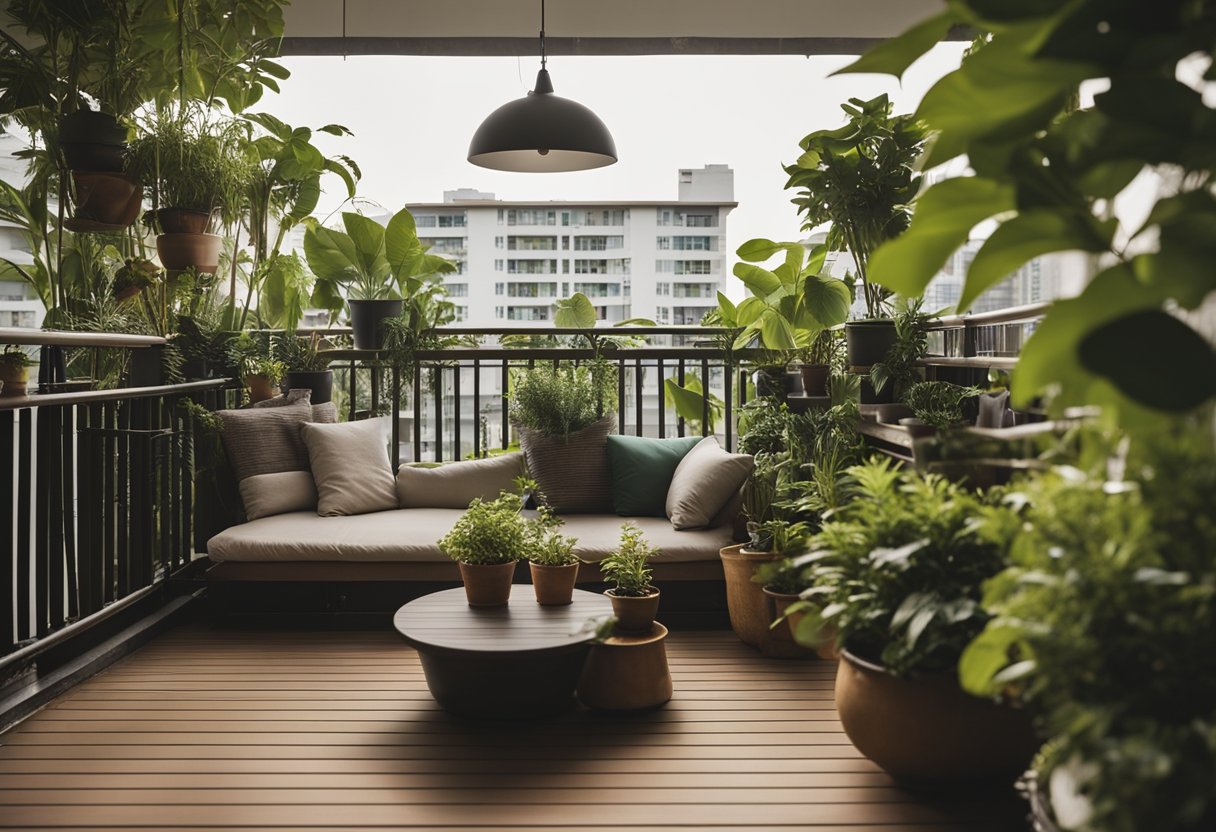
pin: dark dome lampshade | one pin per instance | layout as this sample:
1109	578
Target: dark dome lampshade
542	133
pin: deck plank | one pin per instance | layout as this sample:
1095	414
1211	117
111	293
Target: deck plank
207	729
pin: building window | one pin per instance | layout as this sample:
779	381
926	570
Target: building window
531	216
599	290
532	243
457	290
424	220
662	314
446	245
497	265
498	240
595	217
462	313
532	267
531	290
698	243
565	242
498	288
662	288
598	243
681	267
527	313
451	220
498	312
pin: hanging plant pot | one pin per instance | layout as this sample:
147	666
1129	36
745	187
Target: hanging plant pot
183	221
634	613
178	252
814	379
869	341
104	201
926	729
554	585
487	585
367	319
93	141
320	382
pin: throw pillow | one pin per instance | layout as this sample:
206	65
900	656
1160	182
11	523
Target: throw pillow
266	441
456	484
350	467
572	471
268	494
326	412
704	481
642	470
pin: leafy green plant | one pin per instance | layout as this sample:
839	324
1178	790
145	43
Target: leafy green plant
251	357
489	532
561	400
900	368
547	546
628	567
1049	171
369	261
939	403
299	354
897	570
1104	624
860	180
14	359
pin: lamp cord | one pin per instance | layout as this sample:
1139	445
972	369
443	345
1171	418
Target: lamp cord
543	58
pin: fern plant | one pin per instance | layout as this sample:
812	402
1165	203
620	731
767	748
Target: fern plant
628	568
939	403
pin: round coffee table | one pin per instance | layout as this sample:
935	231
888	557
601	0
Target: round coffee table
516	661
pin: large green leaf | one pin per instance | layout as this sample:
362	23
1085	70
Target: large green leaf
759	250
826	299
894	56
945	216
726	308
776	331
1154	359
331	254
368	237
760	281
1024	237
575	312
401	245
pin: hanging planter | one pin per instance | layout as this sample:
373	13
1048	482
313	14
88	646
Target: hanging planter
104	201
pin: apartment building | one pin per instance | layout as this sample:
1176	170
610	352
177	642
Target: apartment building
663	260
20	305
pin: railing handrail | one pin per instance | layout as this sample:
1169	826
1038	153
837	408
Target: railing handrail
61	338
110	395
1014	314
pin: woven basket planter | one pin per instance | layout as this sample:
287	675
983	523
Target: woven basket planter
572	471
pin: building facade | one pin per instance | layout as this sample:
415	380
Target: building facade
661	260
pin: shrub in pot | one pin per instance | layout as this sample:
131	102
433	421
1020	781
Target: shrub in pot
376	265
860	180
304	365
551	560
14	371
1104	624
260	373
936	405
487	542
817	362
635	601
899	574
888	379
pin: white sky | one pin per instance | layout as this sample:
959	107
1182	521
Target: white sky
413	117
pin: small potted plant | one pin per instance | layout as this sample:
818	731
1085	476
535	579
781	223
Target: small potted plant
936	405
305	366
781	579
260	373
487	542
887	380
817	362
635	601
551	560
14	371
135	275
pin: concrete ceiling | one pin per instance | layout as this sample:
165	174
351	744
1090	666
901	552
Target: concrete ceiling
596	27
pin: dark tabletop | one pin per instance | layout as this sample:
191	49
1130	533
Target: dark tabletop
445	620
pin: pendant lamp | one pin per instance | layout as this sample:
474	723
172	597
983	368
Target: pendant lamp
542	132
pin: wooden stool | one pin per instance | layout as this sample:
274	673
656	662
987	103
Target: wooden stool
627	672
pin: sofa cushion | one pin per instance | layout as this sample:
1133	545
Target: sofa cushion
641	472
267	494
456	484
350	467
572	471
411	535
704	482
325	413
266	441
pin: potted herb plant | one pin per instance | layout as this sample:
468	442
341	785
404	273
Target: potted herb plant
936	405
199	170
304	365
487	542
14	371
260	373
551	560
898	369
899	575
859	180
818	361
635	600
376	265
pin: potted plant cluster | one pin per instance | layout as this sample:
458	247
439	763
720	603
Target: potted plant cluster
486	542
635	600
898	573
14	371
819	360
304	365
936	405
376	265
260	373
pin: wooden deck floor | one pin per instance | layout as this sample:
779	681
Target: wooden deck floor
249	730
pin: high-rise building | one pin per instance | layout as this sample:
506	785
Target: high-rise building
19	304
663	260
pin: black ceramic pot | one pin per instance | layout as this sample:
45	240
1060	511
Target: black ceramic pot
367	319
869	341
320	382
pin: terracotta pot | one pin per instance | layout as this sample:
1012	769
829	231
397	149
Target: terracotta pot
10	389
183	221
260	388
106	199
14	380
554	585
867	342
487	586
814	379
627	672
182	251
751	611
634	614
926	730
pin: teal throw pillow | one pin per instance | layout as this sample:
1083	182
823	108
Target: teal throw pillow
642	470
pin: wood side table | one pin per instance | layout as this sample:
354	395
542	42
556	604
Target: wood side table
517	661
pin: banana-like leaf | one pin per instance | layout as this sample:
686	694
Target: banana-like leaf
575	312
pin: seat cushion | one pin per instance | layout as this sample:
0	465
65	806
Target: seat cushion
411	535
456	484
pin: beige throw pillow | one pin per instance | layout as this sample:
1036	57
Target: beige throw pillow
266	441
705	480
456	484
268	494
350	467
